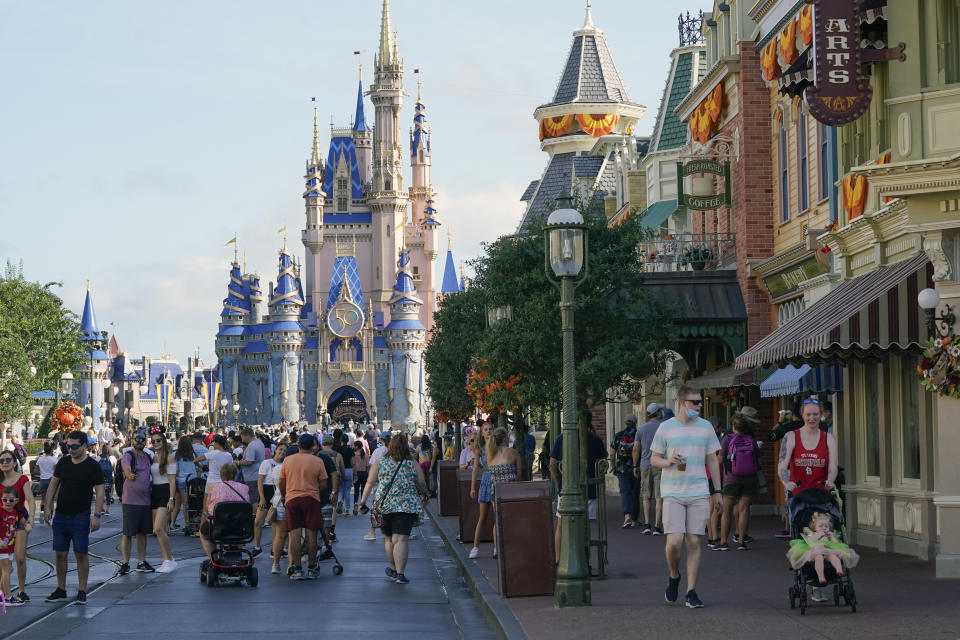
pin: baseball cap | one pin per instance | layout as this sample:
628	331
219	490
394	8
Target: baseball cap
306	441
141	434
631	418
292	449
385	435
653	407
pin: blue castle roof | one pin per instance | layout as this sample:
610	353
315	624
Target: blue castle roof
403	290
430	215
341	264
360	121
420	138
343	147
236	303
286	291
450	283
88	323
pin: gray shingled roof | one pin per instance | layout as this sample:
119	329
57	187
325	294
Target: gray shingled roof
559	175
590	74
529	191
670	132
587	166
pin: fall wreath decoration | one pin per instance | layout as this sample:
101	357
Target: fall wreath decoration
939	369
67	417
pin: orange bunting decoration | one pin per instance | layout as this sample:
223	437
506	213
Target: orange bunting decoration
705	119
854	195
597	124
555	126
805	25
788	43
768	61
885	159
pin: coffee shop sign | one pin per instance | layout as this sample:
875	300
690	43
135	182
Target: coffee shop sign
839	94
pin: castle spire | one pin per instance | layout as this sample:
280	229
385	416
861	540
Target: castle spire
314	175
588	20
88	323
360	119
450	283
286	291
315	156
387	46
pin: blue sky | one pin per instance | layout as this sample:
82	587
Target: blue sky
138	137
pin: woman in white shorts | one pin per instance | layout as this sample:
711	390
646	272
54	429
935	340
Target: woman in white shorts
277	513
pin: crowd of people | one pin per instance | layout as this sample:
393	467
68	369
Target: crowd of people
297	482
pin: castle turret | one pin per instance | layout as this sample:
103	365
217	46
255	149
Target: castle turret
450	283
388	204
95	358
362	135
420	189
313	198
285	337
405	337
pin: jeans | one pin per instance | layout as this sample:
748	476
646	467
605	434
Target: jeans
629	495
345	492
359	484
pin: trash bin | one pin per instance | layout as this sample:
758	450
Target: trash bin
525	552
469	510
447	487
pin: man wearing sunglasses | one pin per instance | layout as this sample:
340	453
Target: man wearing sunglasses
78	478
684	446
137	516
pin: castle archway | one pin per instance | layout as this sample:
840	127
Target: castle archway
346	403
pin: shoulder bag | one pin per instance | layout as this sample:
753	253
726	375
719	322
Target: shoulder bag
376	514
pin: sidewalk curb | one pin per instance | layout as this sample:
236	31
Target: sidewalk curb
504	622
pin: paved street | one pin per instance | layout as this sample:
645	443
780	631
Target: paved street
177	605
745	594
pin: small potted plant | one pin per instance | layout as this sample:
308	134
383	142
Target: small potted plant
697	256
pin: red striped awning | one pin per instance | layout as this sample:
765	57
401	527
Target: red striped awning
875	311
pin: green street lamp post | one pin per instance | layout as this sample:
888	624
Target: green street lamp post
565	258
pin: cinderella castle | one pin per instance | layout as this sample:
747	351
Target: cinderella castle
343	331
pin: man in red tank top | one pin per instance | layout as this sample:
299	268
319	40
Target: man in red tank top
810	454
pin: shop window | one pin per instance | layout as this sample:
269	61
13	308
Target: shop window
784	176
910	418
948	40
871	388
802	177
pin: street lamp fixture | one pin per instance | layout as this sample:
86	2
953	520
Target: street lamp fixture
565	262
66	383
942	325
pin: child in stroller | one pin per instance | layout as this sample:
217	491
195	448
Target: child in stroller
815	544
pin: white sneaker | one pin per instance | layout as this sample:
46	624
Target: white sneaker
474	552
370	536
275	569
167	566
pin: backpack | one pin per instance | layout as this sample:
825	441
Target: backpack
20	453
106	469
623	463
743	462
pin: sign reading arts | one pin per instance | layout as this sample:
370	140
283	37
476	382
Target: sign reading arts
838	95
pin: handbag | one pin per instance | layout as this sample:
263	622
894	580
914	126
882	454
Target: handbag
376	515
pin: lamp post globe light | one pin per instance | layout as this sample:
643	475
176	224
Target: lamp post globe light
66	384
565	262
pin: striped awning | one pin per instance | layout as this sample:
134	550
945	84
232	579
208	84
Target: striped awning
728	377
877	310
788	380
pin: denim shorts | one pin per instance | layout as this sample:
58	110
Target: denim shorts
67	529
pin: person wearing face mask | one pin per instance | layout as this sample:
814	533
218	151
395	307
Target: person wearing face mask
137	520
684	447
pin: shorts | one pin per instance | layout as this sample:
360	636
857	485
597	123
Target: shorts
650	483
159	496
280	513
399	523
253	491
591	508
304	512
44	484
137	520
181	485
268	491
6	556
686	515
75	529
741	490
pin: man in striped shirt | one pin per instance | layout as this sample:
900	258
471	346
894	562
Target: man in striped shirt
684	446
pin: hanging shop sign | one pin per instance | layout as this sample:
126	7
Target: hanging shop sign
699	200
787	281
839	94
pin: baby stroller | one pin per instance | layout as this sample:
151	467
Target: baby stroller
195	486
325	544
230	528
801	508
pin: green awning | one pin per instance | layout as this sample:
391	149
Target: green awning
657	213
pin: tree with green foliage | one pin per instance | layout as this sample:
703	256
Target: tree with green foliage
459	323
35	330
621	335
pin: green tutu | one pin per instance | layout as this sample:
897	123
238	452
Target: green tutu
807	548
